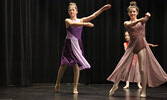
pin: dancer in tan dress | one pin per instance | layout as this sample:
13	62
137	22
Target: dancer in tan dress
132	73
151	71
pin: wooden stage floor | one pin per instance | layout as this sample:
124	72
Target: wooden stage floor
45	91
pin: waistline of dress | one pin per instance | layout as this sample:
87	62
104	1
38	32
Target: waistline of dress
70	36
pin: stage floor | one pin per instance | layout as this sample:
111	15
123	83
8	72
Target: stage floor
44	91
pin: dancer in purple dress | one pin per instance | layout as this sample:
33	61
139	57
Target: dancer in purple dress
72	53
151	71
132	73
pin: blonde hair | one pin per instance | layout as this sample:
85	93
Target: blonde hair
73	4
133	4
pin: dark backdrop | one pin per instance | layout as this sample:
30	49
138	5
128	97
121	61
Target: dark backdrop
32	33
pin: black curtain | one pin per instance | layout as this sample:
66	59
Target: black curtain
32	33
16	45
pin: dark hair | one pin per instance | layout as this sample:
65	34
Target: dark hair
133	4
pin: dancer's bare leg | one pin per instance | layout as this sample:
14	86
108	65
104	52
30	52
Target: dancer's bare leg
115	86
59	77
142	68
127	85
76	78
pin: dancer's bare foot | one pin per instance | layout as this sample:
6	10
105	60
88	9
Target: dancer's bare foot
112	91
75	91
57	87
143	94
126	87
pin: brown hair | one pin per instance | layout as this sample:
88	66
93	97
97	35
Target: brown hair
73	4
133	4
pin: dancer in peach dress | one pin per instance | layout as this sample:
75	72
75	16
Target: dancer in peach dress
151	71
132	73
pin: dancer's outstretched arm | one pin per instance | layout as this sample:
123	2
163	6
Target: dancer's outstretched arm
95	14
152	45
79	23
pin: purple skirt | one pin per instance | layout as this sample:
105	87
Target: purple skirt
68	56
73	53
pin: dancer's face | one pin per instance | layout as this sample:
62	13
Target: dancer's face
132	13
127	37
72	11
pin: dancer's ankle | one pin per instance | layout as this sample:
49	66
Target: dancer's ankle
113	89
75	91
126	87
57	87
139	86
143	95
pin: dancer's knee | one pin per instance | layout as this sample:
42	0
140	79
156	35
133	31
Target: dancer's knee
63	67
142	71
76	67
